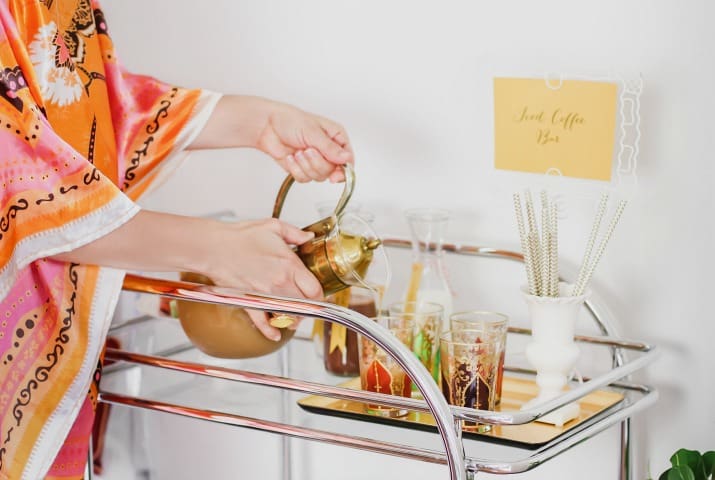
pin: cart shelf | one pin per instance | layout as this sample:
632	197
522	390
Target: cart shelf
179	379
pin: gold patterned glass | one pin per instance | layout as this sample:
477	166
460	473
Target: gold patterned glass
494	326
379	372
469	371
427	319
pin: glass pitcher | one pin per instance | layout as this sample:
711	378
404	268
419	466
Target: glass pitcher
428	280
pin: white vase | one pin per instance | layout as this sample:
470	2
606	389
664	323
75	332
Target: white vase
552	351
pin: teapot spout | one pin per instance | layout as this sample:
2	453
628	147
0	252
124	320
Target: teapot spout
371	244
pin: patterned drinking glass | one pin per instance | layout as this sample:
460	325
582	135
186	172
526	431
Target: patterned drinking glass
379	372
494	325
469	371
427	319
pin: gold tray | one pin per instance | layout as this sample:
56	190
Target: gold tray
515	392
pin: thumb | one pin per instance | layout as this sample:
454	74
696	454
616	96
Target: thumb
294	235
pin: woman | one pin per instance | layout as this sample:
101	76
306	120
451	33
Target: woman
80	140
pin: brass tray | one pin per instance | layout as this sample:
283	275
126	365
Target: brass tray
515	392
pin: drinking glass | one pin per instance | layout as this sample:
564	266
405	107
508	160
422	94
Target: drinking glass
469	372
493	325
379	372
427	320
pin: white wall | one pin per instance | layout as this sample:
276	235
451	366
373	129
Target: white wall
411	82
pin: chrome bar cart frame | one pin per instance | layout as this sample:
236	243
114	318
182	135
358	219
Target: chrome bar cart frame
448	418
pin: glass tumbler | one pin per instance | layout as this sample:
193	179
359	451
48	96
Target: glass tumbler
469	372
493	325
379	372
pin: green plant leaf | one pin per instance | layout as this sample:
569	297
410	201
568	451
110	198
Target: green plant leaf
664	475
680	473
699	471
709	461
685	458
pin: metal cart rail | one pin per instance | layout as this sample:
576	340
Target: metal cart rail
448	418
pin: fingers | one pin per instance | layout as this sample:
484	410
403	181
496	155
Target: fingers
332	142
310	147
301	282
335	131
291	234
310	165
319	165
333	152
308	285
260	320
295	169
338	175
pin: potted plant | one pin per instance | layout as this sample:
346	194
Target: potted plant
690	465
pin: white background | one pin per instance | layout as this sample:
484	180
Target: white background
411	81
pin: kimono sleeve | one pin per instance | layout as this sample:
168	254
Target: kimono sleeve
154	122
52	199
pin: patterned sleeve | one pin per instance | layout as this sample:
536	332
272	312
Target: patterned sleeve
153	121
80	139
52	199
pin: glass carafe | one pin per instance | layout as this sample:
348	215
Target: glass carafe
428	279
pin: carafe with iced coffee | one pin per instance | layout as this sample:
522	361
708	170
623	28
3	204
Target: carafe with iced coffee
340	347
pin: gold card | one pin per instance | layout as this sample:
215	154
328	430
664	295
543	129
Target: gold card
567	127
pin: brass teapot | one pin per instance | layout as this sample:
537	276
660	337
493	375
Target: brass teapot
339	256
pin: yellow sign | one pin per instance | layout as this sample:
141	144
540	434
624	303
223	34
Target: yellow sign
568	126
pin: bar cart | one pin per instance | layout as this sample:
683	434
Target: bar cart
451	447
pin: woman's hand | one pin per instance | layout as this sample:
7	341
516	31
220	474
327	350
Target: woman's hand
307	146
258	259
254	256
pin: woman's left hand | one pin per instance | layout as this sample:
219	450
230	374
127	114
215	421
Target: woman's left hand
307	146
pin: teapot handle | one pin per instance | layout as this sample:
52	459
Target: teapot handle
339	207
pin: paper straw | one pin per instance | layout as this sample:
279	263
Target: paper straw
591	241
414	285
534	243
601	248
546	262
525	249
545	246
531	218
536	262
554	266
545	223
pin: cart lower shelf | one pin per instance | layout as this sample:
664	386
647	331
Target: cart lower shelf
516	391
461	454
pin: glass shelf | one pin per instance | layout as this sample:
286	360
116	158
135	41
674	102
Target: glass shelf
157	369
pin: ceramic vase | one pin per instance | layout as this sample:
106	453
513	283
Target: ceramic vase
552	351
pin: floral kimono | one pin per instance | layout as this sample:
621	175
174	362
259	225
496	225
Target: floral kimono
80	140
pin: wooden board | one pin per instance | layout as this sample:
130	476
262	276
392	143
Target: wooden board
515	392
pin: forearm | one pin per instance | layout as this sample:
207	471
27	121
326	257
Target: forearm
150	241
237	121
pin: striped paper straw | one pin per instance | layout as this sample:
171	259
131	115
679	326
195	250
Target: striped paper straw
601	248
591	242
525	248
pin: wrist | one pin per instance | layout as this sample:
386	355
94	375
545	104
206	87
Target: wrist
237	121
200	256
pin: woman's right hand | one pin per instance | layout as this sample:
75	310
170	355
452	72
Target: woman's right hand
253	256
256	256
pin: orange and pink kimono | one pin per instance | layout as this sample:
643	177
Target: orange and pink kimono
80	140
